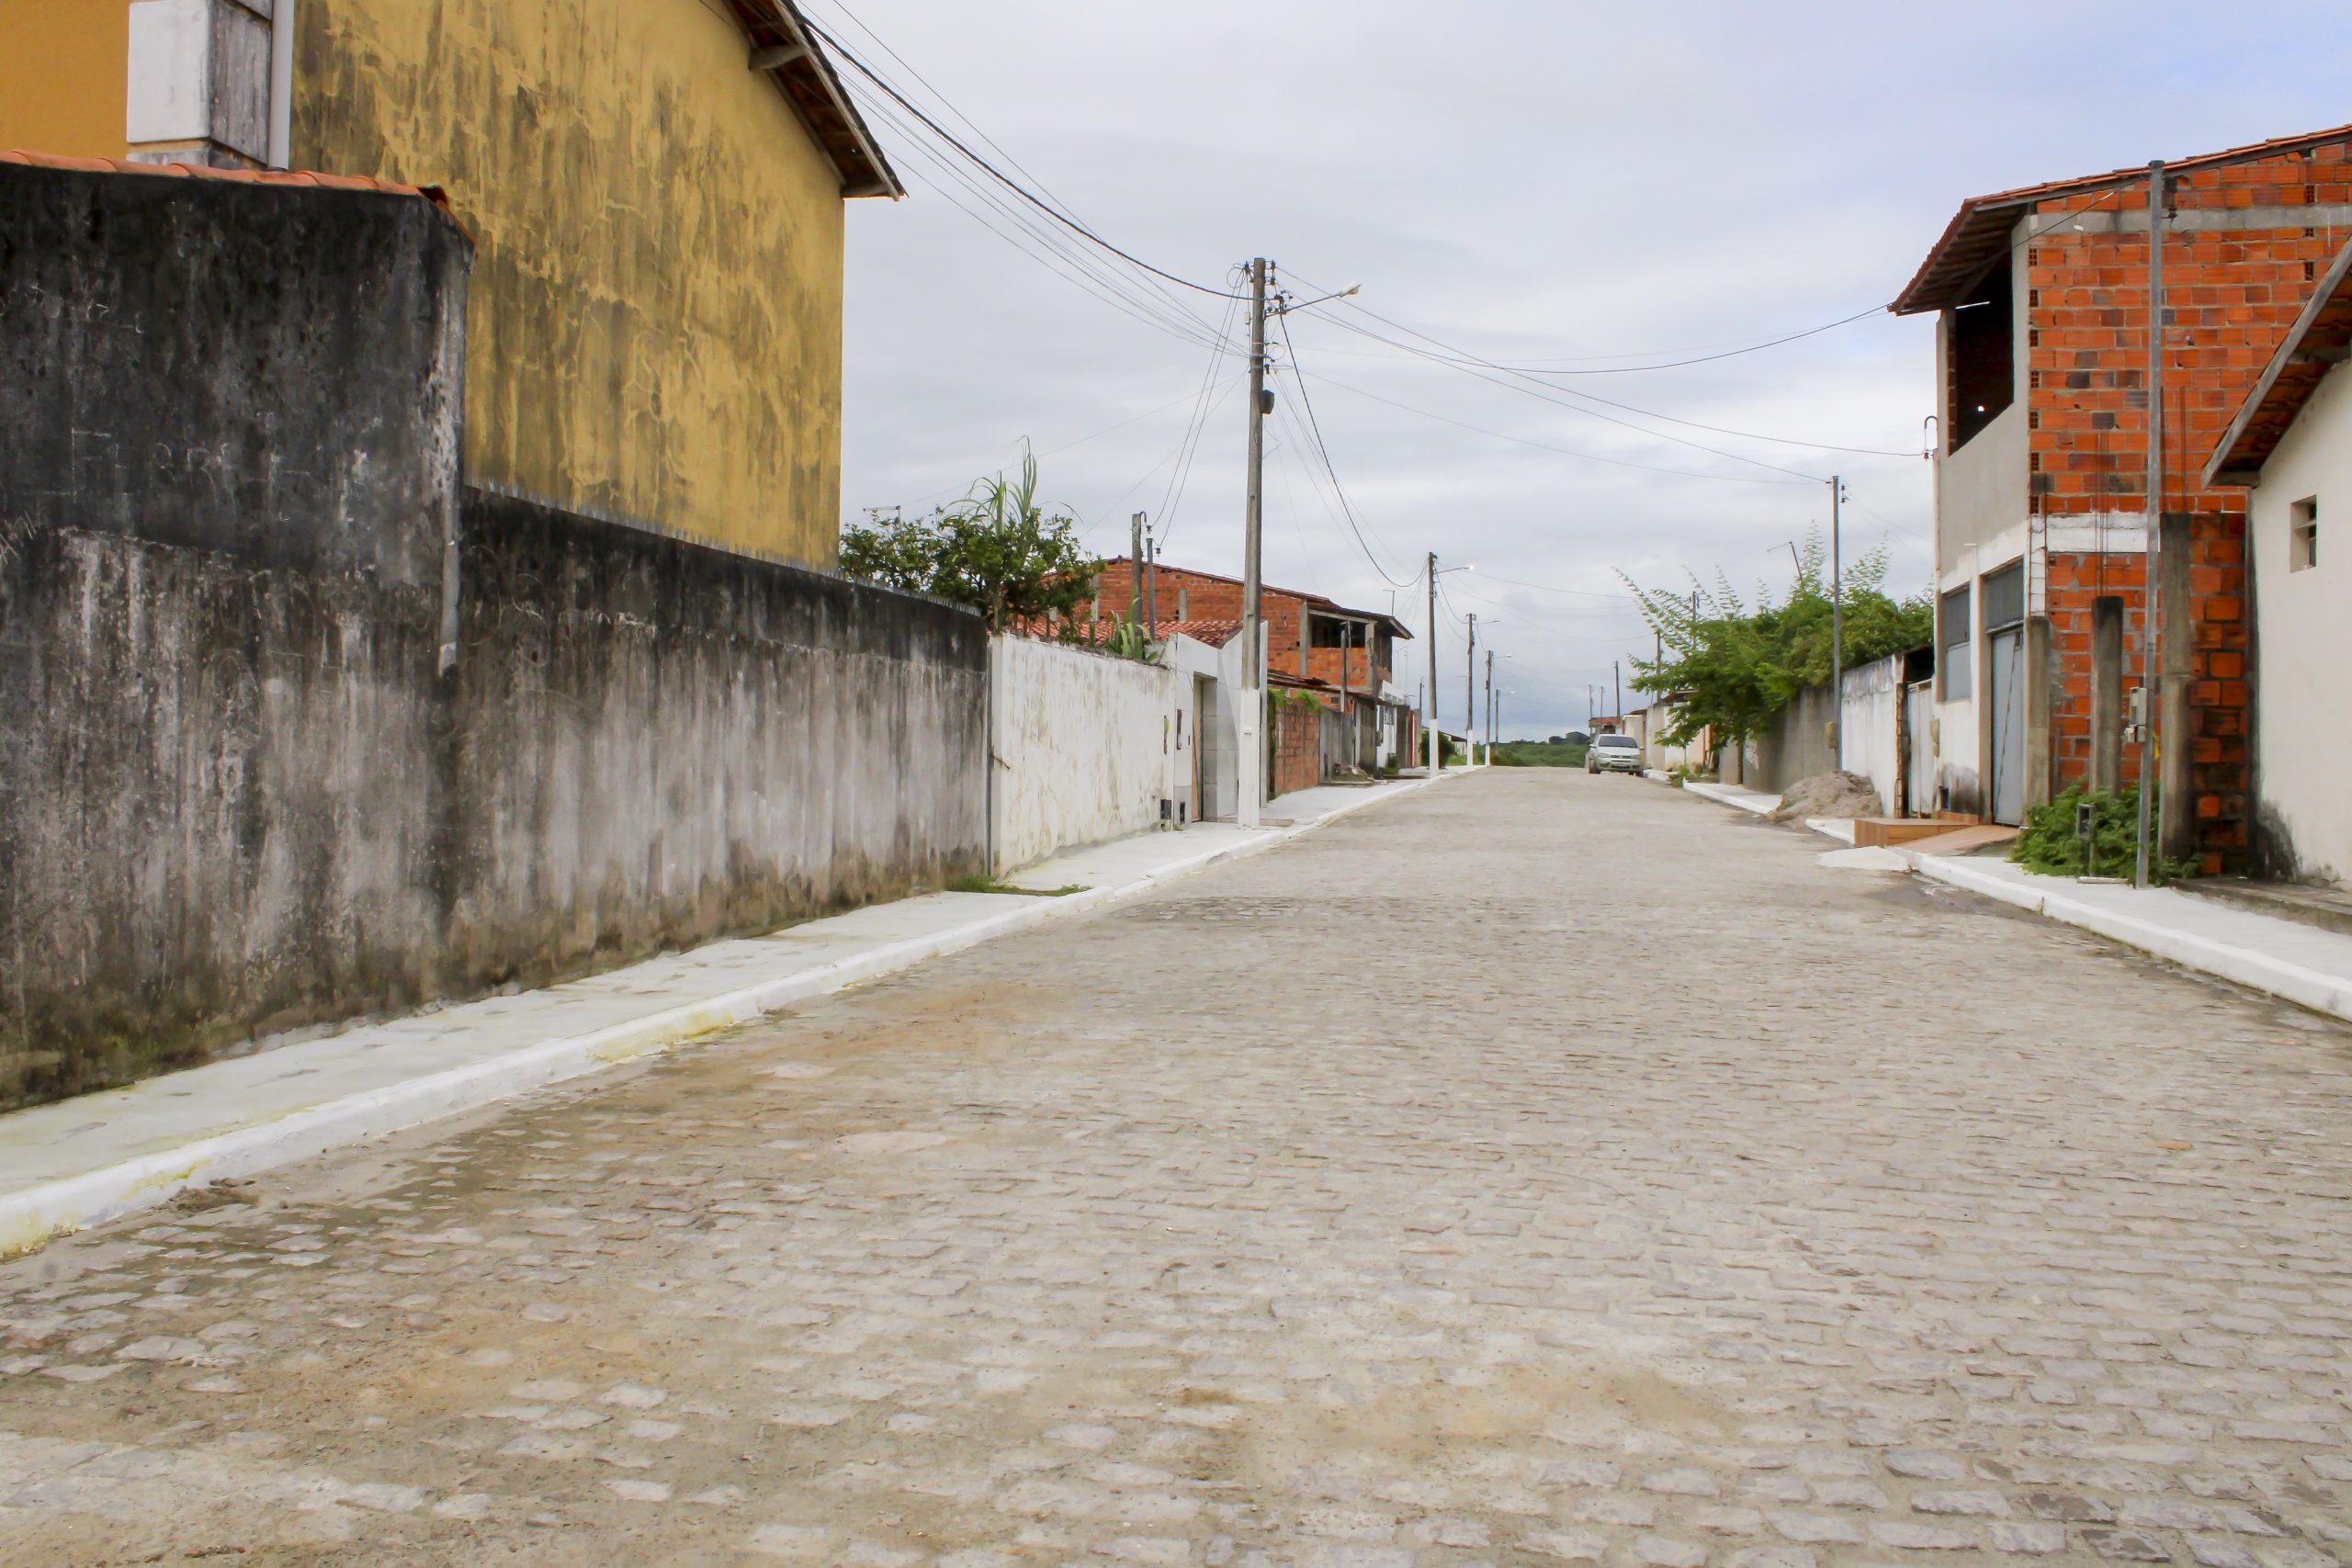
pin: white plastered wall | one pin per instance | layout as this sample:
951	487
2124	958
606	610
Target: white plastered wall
1086	746
2303	638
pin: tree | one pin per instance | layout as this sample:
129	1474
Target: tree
1739	667
996	550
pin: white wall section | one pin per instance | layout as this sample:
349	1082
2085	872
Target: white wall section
2304	641
1085	746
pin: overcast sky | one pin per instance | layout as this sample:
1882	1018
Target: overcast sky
1536	181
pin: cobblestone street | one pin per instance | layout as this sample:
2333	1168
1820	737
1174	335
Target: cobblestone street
1536	1168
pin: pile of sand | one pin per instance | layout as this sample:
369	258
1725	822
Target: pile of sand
1828	795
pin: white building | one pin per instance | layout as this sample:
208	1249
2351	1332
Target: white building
2291	442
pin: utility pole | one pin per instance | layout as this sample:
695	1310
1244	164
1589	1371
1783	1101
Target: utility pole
1490	704
1470	696
1429	721
2153	683
1151	586
1617	681
1135	568
1836	634
1252	708
1346	717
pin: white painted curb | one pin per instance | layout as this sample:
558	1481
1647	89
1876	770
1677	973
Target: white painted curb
2329	994
2323	993
34	1215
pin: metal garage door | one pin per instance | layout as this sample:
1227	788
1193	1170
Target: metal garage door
2005	663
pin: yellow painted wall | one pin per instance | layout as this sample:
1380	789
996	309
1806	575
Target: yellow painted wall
656	311
63	69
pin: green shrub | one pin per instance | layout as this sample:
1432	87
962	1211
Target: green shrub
2049	844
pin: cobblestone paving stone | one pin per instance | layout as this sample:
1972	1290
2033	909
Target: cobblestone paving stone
1539	1170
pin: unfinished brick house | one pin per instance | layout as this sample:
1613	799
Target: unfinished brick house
1309	638
2041	509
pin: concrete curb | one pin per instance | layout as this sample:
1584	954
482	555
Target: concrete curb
2321	993
32	1215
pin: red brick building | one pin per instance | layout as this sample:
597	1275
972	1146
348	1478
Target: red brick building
1344	658
2042	506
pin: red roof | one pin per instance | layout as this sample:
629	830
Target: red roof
1980	229
1395	626
433	194
1215	633
251	176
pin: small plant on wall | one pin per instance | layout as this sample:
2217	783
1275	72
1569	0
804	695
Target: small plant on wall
997	551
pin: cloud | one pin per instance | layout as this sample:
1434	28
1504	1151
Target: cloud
1532	180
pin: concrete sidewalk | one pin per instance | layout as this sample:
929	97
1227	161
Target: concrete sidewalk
2304	964
82	1162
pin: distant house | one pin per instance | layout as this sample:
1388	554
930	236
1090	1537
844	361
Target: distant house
2042	519
654	189
2292	444
1313	644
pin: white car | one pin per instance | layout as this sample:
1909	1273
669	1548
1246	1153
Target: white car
1613	754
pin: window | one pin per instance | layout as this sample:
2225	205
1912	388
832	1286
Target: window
1951	643
2302	534
2005	597
1981	374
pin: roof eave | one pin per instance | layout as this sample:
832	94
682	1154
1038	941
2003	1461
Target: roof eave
796	61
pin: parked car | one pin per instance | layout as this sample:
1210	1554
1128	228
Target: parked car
1613	754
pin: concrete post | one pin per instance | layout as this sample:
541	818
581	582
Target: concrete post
2177	737
2040	679
2107	692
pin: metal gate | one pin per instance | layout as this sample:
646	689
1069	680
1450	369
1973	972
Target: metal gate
1919	748
2004	694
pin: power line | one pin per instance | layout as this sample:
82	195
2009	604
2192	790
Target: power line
1048	208
1678	363
1173	496
978	134
1299	379
1547	446
1470	363
1555	395
1051	250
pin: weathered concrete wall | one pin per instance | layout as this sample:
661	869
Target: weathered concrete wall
656	742
1797	745
239	792
1086	746
271	371
658	299
1870	715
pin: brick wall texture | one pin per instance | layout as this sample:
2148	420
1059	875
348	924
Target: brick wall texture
1296	741
2231	295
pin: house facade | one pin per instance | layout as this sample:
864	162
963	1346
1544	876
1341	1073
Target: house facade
2290	446
654	190
2042	517
1345	656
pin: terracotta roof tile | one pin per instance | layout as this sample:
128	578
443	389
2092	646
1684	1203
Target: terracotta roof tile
312	179
1980	229
1215	633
